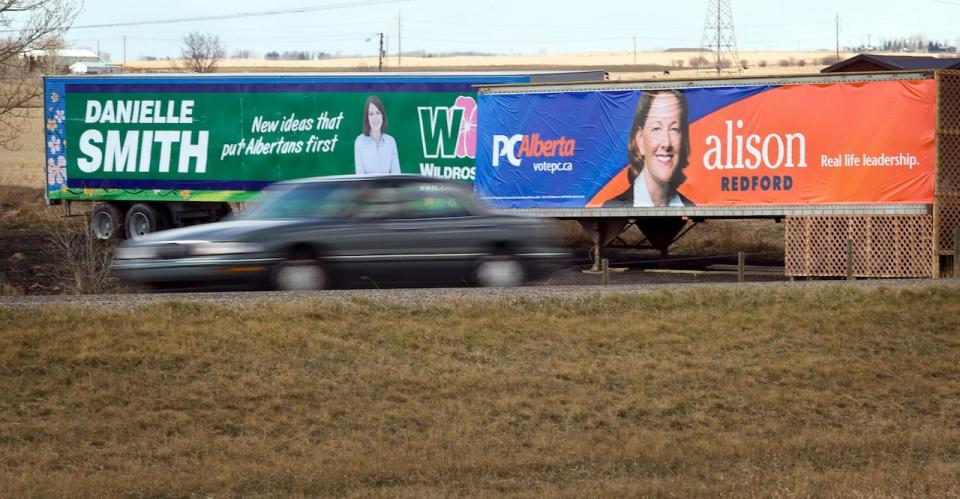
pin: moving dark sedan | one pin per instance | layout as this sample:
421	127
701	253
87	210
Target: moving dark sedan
343	231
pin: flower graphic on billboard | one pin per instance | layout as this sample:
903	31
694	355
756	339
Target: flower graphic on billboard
56	171
55	119
467	139
54	144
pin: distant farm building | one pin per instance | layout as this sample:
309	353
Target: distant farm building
93	68
876	62
66	57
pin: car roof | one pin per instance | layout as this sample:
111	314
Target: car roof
364	178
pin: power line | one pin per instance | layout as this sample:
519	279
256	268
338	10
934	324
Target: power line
340	5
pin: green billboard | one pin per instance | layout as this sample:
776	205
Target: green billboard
223	139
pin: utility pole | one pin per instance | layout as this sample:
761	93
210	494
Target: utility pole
124	52
838	37
381	52
98	51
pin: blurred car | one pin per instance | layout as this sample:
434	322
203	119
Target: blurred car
348	231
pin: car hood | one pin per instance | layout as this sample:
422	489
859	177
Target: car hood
231	230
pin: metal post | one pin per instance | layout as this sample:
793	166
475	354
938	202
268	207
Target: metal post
381	52
849	259
600	247
956	253
741	257
605	269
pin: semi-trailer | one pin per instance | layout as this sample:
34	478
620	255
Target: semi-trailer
153	151
865	160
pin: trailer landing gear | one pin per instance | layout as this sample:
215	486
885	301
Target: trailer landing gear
658	232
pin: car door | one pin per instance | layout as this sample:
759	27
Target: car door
419	234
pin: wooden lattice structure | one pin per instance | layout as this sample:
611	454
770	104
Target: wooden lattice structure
889	245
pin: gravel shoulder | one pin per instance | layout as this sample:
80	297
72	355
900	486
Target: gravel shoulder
424	296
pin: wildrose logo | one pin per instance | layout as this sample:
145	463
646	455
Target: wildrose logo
449	131
531	146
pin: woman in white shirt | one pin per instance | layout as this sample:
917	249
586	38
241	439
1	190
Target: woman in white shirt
375	152
658	150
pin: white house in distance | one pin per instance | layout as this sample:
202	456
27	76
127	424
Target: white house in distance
67	56
93	68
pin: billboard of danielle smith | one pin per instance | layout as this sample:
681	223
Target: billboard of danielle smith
800	144
225	138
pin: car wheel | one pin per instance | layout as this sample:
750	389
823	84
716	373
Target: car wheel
143	219
106	221
298	275
499	271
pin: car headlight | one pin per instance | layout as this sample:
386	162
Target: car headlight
224	248
134	253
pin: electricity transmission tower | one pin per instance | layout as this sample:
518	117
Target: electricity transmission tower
719	41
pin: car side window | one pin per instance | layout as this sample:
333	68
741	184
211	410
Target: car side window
431	201
378	203
410	201
317	200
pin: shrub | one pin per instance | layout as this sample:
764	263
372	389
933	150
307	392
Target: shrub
84	261
7	289
699	62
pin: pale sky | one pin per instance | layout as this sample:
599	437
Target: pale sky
502	26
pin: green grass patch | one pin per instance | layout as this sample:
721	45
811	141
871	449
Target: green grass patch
813	392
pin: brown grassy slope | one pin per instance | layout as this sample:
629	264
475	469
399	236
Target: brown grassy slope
826	392
24	165
23	207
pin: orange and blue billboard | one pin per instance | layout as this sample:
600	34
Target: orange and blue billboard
753	145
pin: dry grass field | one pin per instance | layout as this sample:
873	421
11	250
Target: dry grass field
826	392
24	166
621	65
816	392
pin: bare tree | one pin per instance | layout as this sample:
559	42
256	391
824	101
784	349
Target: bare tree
242	54
200	52
30	34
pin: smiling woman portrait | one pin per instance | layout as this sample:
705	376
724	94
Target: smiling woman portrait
375	152
657	150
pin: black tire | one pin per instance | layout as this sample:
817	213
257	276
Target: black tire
143	219
106	222
300	275
500	270
301	271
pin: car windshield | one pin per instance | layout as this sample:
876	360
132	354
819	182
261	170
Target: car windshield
306	200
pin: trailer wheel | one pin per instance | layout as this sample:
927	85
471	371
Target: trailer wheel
143	219
106	221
